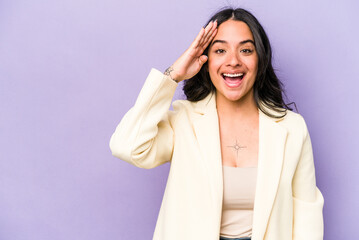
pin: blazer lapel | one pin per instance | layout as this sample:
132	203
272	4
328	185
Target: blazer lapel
206	128
272	140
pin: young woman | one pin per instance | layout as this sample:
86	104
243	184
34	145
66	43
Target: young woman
241	161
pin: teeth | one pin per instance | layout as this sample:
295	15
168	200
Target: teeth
233	75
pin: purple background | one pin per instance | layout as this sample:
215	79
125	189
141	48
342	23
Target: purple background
70	69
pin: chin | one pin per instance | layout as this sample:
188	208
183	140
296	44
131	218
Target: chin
232	97
235	96
235	99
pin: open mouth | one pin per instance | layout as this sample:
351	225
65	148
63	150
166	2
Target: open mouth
233	79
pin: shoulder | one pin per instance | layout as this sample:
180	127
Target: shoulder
202	106
188	111
284	117
294	123
182	105
292	118
182	109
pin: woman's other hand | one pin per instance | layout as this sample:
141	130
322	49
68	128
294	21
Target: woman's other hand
191	61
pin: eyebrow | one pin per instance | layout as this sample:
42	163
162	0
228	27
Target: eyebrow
241	43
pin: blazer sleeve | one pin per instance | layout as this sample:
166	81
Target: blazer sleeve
307	199
144	137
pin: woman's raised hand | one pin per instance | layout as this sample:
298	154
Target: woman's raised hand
191	61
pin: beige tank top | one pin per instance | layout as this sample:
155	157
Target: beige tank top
238	201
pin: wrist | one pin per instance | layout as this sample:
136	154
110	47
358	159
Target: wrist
170	72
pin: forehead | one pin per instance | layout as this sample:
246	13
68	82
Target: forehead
233	30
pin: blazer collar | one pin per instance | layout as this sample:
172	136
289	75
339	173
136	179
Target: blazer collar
206	104
272	140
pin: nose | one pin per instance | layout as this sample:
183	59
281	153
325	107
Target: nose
233	59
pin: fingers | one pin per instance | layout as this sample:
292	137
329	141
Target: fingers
205	35
208	35
206	31
198	38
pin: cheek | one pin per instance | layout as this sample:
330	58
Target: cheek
252	64
212	69
213	64
210	66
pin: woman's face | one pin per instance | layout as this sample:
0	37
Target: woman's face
233	61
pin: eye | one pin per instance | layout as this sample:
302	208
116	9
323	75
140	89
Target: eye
247	51
219	51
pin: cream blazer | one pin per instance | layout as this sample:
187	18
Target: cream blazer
288	205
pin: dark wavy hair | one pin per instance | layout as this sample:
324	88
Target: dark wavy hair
267	88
